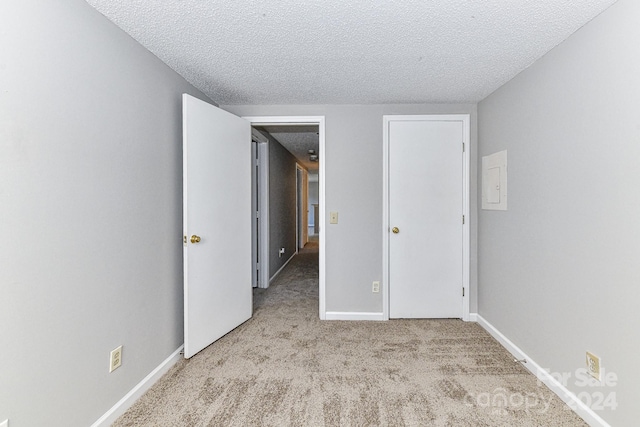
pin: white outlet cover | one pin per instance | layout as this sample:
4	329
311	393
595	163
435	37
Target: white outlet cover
593	365
113	363
5	423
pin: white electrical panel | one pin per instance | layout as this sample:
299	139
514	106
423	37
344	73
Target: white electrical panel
494	181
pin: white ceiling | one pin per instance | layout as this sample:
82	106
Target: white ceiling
349	51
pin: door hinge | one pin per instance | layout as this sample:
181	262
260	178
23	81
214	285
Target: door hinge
463	291
462	219
257	214
463	147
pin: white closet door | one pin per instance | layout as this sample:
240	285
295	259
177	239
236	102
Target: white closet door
425	208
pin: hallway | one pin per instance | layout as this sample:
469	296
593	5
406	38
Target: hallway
296	287
285	367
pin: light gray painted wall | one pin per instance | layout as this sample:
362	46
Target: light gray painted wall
559	271
354	188
90	201
282	205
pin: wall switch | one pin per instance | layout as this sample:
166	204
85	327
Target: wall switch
5	423
593	365
333	217
376	287
115	360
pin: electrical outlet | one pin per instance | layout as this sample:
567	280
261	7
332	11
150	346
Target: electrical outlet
376	287
115	360
280	252
593	365
5	423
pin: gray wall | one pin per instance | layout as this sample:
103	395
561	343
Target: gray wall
282	205
559	271
354	167
90	201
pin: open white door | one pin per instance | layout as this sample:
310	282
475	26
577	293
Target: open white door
217	223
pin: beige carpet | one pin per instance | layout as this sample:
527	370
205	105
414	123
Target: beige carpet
284	367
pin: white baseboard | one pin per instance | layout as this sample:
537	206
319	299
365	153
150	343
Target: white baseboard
282	268
473	317
341	315
567	396
125	403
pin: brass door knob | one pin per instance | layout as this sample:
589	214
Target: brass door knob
395	230
195	239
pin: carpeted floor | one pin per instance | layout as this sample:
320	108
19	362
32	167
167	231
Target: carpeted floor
285	367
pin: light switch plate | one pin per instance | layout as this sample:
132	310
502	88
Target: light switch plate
333	217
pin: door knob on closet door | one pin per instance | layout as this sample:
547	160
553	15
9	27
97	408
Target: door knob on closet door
395	230
195	239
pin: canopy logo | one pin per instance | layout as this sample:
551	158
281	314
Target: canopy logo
593	394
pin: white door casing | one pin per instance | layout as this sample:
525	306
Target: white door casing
260	197
217	208
299	244
426	197
306	120
302	212
255	223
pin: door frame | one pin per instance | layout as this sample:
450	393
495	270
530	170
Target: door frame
300	176
261	236
320	122
255	247
305	207
466	148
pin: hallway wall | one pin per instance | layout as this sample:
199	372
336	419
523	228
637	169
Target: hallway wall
282	205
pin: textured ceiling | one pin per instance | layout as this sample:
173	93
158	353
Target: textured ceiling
349	52
298	140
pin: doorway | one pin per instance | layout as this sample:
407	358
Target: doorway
426	211
319	123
